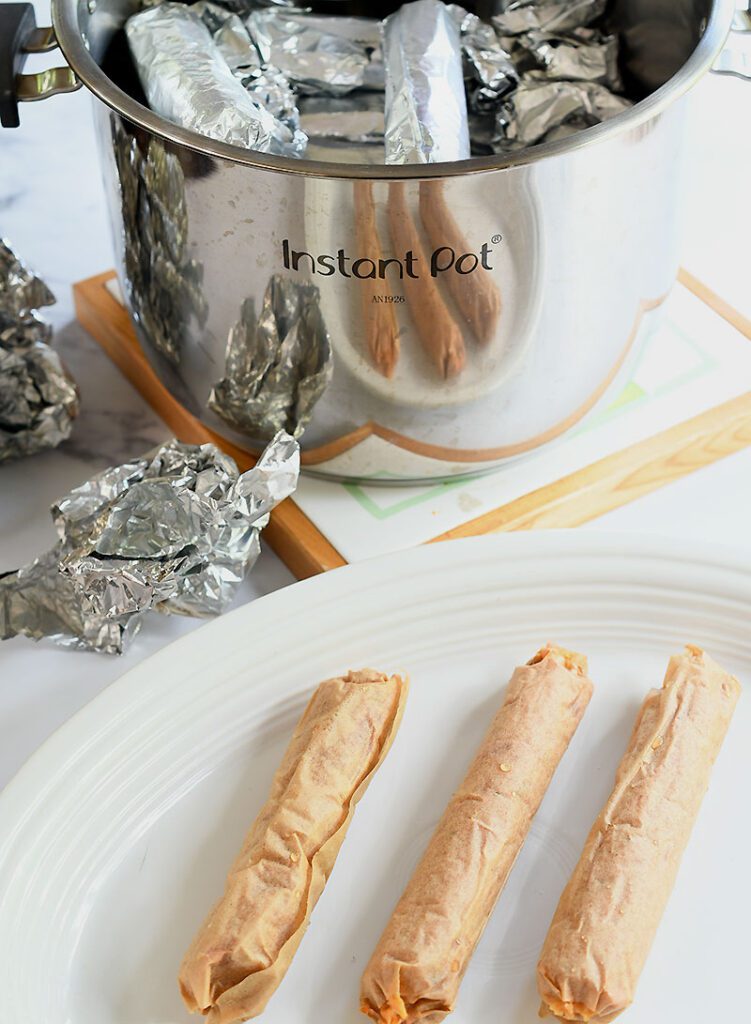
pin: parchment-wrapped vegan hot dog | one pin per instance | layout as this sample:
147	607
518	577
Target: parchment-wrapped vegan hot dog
243	949
418	964
609	912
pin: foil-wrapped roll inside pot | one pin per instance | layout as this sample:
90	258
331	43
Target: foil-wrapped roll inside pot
426	106
187	80
517	16
229	33
278	364
488	68
328	55
536	108
268	85
584	55
175	531
38	397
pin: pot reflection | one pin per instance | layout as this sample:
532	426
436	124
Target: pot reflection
277	365
162	282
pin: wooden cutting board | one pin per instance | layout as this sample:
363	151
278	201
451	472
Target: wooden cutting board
607	484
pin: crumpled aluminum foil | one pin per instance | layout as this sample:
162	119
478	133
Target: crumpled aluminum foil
229	33
175	531
426	106
536	108
38	397
164	284
277	364
268	85
354	118
319	54
187	80
488	67
583	55
517	16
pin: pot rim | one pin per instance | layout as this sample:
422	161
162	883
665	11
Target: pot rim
76	53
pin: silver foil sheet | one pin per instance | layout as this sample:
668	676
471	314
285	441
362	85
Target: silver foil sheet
537	108
320	55
187	80
426	106
278	363
517	16
488	68
176	531
354	118
229	33
268	85
38	397
584	55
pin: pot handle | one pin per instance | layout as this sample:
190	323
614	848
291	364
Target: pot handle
734	60
19	36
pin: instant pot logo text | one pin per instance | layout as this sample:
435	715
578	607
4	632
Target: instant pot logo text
440	261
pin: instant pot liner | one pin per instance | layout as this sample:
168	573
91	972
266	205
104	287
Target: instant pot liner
564	246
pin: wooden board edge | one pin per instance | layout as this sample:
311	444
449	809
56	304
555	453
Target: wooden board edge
620	478
715	302
290	533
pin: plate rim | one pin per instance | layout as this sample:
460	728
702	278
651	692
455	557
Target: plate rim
563	542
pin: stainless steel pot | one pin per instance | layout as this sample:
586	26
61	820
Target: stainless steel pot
540	267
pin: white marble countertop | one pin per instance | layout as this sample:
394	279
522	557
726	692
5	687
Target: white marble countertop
52	208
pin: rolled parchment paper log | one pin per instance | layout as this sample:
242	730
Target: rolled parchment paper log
243	949
420	960
610	910
426	106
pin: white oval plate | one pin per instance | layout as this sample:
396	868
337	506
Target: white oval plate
116	836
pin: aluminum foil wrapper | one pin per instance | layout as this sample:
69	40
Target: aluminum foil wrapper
175	531
319	54
488	69
537	108
517	16
187	80
277	364
38	398
426	106
164	284
354	118
229	33
584	55
266	84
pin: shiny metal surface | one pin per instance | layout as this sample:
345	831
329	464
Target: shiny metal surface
475	310
40	85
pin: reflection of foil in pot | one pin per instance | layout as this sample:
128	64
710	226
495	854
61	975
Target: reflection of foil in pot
163	283
278	364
